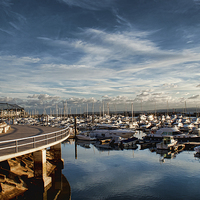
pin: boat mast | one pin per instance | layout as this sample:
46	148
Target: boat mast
132	112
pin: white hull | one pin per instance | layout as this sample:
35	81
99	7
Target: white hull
112	133
161	133
197	149
86	138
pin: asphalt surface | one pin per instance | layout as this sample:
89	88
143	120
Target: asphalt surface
22	131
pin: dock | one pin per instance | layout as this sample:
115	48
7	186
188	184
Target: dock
190	145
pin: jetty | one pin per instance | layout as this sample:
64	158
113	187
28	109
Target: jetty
191	145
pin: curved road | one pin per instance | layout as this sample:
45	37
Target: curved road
22	131
23	139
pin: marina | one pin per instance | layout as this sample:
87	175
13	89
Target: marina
121	154
99	100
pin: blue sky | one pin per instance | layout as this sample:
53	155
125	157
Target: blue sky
84	51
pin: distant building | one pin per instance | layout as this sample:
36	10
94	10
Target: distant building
10	110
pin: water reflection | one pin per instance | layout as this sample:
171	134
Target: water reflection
164	154
59	189
112	173
105	146
76	152
101	146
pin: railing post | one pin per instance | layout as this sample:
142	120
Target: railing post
46	138
59	135
16	142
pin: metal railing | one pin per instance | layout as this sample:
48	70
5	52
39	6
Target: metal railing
28	143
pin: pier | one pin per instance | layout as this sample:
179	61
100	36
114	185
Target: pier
23	140
191	145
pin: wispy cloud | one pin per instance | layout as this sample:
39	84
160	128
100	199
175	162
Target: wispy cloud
91	5
89	49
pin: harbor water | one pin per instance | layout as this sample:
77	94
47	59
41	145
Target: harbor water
130	173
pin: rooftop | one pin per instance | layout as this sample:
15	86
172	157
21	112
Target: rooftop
7	106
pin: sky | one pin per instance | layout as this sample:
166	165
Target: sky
112	52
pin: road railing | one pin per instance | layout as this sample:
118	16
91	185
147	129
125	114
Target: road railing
33	142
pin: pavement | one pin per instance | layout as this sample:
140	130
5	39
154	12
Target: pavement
23	143
22	131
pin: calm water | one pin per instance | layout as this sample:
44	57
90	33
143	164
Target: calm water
130	174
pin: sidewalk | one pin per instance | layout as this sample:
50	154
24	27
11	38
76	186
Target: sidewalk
21	131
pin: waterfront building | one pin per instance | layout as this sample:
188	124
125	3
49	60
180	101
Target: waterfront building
10	110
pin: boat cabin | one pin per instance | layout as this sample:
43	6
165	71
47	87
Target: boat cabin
168	131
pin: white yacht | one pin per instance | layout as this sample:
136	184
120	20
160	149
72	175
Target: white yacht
85	136
111	133
197	149
160	133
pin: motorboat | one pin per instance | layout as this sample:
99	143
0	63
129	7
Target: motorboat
157	135
106	126
197	149
196	131
85	135
187	127
128	142
112	133
85	143
123	142
104	144
167	144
